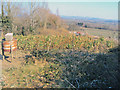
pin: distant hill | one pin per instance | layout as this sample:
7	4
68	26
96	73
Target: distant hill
90	22
88	18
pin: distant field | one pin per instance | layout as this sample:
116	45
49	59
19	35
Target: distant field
100	32
108	28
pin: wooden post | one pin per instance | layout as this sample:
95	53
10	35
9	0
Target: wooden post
0	35
9	38
2	50
11	50
0	42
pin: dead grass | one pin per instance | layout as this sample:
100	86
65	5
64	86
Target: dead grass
61	68
66	68
60	31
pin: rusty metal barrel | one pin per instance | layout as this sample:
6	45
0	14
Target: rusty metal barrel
9	46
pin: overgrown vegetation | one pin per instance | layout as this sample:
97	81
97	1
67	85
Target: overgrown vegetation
70	41
58	61
67	68
55	58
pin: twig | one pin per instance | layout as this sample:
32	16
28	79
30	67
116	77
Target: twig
70	83
110	73
83	59
26	82
77	83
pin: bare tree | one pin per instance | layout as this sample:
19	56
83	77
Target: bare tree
27	20
46	13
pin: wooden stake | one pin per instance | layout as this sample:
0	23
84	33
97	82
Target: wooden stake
11	52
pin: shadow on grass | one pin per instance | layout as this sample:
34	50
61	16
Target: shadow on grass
85	70
6	58
72	69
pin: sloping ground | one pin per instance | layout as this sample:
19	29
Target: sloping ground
68	68
22	71
57	61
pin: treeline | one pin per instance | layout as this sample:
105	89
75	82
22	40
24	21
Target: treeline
28	18
88	26
77	24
